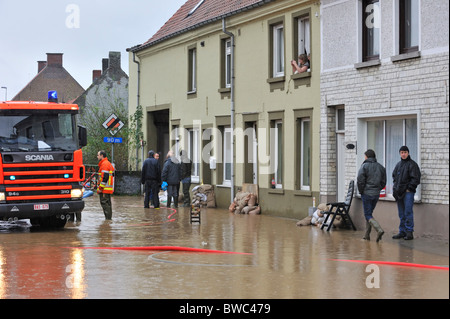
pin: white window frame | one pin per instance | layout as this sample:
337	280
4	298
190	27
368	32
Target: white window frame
303	156
278	50
227	136
227	63
278	149
194	154
192	70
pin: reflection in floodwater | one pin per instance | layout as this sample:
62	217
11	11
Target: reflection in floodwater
283	261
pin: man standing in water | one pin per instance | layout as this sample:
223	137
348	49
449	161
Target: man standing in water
371	180
106	186
151	178
406	176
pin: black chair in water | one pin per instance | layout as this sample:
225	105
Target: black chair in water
341	209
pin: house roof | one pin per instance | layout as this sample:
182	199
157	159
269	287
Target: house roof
189	17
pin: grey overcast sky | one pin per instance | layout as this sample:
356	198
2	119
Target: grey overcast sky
83	30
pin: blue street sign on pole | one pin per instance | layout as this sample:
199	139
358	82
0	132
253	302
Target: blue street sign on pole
117	140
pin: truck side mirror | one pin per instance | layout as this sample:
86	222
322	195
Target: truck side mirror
82	135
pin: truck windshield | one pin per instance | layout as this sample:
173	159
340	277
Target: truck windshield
38	132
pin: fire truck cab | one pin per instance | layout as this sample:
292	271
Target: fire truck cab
41	161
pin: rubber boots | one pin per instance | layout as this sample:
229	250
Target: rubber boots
408	236
399	235
368	229
377	227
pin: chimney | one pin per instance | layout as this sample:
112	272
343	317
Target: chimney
41	65
54	59
105	64
96	74
114	60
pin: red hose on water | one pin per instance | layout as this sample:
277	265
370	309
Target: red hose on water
393	263
166	248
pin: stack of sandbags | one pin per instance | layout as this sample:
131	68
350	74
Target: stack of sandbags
245	203
203	196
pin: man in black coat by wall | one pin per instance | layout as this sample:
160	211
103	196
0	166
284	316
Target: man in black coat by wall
406	176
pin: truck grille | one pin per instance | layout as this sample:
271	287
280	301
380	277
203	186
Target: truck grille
38	182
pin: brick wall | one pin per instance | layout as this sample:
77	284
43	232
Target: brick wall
417	85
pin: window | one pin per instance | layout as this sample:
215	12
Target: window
227	55
386	136
278	153
303	36
228	135
409	25
192	72
193	151
278	50
305	153
370	30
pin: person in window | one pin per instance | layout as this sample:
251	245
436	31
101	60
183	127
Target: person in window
406	177
302	65
371	180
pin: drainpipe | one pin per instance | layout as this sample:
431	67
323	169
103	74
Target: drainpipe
224	29
138	102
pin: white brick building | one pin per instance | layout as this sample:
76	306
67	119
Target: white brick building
384	83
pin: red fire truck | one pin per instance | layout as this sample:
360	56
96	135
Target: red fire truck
41	162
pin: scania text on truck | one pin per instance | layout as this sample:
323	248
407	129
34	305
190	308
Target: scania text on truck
41	162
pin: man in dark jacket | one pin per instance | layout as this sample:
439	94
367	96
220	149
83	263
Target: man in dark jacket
371	180
171	174
186	167
151	178
406	176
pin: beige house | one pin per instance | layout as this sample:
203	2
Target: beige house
217	81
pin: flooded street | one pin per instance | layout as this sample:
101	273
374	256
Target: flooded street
281	260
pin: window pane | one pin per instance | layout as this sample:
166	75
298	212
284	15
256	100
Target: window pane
304	36
394	140
227	154
411	138
411	23
375	139
278	50
306	154
371	29
279	128
341	119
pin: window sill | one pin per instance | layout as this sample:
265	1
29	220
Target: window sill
224	186
192	94
302	75
405	56
277	79
224	90
302	193
278	191
367	64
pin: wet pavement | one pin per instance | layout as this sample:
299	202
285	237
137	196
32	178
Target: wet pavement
281	260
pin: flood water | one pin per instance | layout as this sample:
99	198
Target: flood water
283	261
